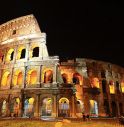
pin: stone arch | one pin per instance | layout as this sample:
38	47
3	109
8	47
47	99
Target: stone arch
64	107
46	106
48	76
18	78
29	107
5	79
32	77
111	87
95	82
10	55
15	106
4	108
94	108
21	52
35	52
80	106
65	78
77	79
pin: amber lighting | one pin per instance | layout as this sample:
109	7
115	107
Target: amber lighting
18	77
47	75
31	101
5	79
95	82
122	87
19	52
32	77
31	51
79	78
111	87
63	100
9	53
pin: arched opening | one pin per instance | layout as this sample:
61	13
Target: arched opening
10	54
122	86
32	77
111	87
11	57
18	78
15	107
93	108
64	107
65	78
121	108
48	76
77	79
80	106
21	52
29	107
46	108
95	82
35	52
114	109
5	79
4	108
106	107
104	84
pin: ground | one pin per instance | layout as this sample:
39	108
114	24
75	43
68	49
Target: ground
63	123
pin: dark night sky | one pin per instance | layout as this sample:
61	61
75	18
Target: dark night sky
92	29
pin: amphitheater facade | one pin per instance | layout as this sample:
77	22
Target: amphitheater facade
34	84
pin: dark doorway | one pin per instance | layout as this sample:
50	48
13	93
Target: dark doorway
11	57
23	53
35	52
104	83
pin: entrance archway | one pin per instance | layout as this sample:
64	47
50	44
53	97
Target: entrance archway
46	107
93	108
80	106
4	108
29	107
64	108
15	107
48	76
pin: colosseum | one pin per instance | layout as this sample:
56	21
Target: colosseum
34	84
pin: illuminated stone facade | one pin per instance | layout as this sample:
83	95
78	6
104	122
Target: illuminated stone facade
33	84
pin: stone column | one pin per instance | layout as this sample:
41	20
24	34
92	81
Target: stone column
22	104
25	77
15	54
118	108
73	106
27	51
36	109
55	73
55	107
8	105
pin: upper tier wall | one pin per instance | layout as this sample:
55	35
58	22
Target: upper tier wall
25	25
